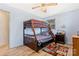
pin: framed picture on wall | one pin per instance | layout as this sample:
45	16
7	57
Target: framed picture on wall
52	23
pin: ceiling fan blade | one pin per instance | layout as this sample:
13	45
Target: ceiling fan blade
35	7
51	4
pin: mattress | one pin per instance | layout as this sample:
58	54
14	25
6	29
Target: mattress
43	38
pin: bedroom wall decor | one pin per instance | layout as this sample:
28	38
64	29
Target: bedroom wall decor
52	23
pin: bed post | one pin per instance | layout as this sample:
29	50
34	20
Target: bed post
35	40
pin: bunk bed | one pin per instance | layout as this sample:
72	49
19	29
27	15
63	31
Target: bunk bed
36	34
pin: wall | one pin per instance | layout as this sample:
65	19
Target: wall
69	19
16	24
71	22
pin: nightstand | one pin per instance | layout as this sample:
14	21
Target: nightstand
60	38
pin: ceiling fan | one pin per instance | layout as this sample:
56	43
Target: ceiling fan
43	6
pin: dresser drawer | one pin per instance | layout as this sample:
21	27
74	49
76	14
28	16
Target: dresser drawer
75	45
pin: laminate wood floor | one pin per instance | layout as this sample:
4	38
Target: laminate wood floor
25	51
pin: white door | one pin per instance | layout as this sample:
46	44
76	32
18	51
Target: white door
4	28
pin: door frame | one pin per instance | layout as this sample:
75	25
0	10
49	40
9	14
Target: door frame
8	26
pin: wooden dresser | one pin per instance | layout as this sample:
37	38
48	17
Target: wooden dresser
75	45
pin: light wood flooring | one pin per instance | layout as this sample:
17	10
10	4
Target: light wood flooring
25	51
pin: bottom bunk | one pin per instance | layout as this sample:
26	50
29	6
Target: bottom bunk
42	41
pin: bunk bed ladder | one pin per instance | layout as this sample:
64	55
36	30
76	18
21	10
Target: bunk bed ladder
50	32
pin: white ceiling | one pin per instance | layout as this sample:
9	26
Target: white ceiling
53	10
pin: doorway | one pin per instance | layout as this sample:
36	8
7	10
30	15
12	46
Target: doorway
4	29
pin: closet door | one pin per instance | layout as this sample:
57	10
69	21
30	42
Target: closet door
4	28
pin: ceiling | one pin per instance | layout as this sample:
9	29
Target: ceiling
53	10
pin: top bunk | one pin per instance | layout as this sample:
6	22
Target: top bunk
35	24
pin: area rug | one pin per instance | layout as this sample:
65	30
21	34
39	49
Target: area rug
56	49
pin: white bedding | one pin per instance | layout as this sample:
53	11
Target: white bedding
43	38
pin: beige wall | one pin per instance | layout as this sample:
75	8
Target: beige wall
4	27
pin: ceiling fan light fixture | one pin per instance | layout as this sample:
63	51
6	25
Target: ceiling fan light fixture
44	9
44	6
